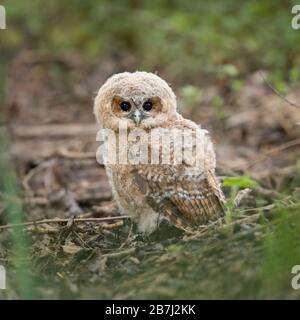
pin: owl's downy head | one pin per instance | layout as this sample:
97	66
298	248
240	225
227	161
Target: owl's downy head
138	100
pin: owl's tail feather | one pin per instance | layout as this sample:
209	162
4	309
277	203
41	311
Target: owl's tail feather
200	212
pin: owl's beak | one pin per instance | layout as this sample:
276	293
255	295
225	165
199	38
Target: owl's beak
137	117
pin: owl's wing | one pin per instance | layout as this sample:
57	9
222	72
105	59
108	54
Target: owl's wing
185	201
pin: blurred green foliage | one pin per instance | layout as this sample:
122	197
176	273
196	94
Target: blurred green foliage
281	248
181	38
11	194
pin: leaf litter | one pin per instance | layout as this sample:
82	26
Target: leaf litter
52	147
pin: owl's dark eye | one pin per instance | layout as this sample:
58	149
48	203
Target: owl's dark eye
148	105
125	106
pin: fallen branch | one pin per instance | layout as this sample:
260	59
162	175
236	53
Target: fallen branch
31	223
65	153
54	130
44	165
278	93
120	254
273	151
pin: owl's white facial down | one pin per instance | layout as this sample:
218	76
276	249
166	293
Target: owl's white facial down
137	100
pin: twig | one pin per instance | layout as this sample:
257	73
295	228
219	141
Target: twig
43	165
54	130
128	237
211	229
242	194
267	208
120	254
31	223
65	153
278	93
36	200
270	152
112	226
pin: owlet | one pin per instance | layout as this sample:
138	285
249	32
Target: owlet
167	170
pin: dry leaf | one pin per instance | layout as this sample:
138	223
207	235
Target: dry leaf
71	248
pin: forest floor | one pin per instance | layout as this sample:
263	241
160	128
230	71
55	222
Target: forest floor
52	130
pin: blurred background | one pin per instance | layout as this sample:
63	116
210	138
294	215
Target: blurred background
230	64
187	41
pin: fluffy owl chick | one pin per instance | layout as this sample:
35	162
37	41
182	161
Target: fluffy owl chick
187	193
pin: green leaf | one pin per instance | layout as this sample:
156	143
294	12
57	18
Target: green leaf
239	182
174	248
